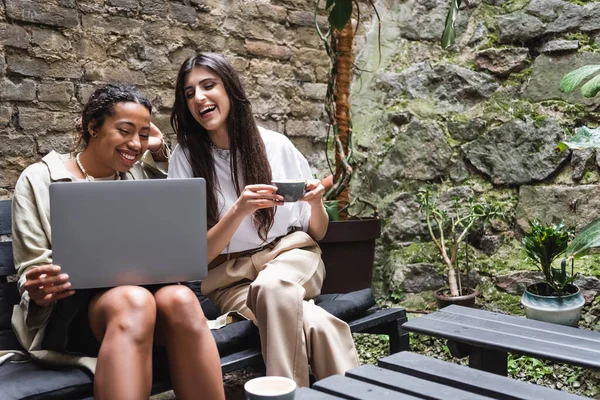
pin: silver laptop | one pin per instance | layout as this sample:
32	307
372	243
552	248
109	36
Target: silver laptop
132	232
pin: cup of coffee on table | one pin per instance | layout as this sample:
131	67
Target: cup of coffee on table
270	388
290	189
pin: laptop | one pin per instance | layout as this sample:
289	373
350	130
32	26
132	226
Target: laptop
130	232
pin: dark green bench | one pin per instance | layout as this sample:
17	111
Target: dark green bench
238	343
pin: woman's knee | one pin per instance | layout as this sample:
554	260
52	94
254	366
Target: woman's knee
127	309
275	291
177	305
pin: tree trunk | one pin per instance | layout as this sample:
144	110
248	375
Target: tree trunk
343	68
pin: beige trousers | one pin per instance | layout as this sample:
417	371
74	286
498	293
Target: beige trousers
274	288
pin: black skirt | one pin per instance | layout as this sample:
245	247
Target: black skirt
69	330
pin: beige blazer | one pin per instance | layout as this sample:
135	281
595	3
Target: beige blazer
32	247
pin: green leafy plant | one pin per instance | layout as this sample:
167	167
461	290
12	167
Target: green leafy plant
587	239
573	79
585	137
448	228
449	35
531	368
544	243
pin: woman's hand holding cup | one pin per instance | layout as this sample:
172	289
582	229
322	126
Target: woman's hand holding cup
45	284
255	197
314	192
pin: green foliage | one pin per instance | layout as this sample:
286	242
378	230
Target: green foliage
543	244
448	228
371	348
514	5
574	78
533	368
587	239
584	138
339	12
332	209
449	35
519	78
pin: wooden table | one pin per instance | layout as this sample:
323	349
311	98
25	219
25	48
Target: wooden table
486	337
411	376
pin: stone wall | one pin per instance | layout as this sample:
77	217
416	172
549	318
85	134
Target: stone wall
53	53
480	119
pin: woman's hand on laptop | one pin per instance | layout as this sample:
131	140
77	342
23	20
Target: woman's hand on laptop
46	284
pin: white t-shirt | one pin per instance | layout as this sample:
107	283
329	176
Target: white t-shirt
286	163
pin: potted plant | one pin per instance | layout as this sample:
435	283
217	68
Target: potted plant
349	245
448	227
556	299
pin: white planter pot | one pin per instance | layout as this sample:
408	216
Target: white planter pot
563	310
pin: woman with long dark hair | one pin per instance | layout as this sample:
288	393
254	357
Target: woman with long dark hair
264	261
111	332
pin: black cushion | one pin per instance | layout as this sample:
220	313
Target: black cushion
27	380
347	306
235	337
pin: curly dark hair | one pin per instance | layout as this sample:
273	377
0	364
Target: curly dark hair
245	140
101	104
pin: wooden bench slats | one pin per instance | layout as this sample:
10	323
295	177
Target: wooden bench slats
7	266
348	388
408	384
376	317
244	358
534	326
461	330
470	379
5	217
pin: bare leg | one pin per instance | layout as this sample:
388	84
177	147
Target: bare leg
123	320
193	357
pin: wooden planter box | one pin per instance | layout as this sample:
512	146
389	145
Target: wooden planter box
349	253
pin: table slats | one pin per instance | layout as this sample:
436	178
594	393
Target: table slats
531	326
409	384
469	379
311	394
497	336
348	388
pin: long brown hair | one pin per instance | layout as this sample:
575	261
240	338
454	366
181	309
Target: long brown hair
245	141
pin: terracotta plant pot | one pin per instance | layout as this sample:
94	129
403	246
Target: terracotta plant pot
444	299
327	182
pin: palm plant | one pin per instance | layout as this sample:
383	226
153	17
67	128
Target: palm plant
544	243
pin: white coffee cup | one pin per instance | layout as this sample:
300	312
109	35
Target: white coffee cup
270	388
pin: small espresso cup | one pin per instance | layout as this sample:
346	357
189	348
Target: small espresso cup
270	388
291	189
